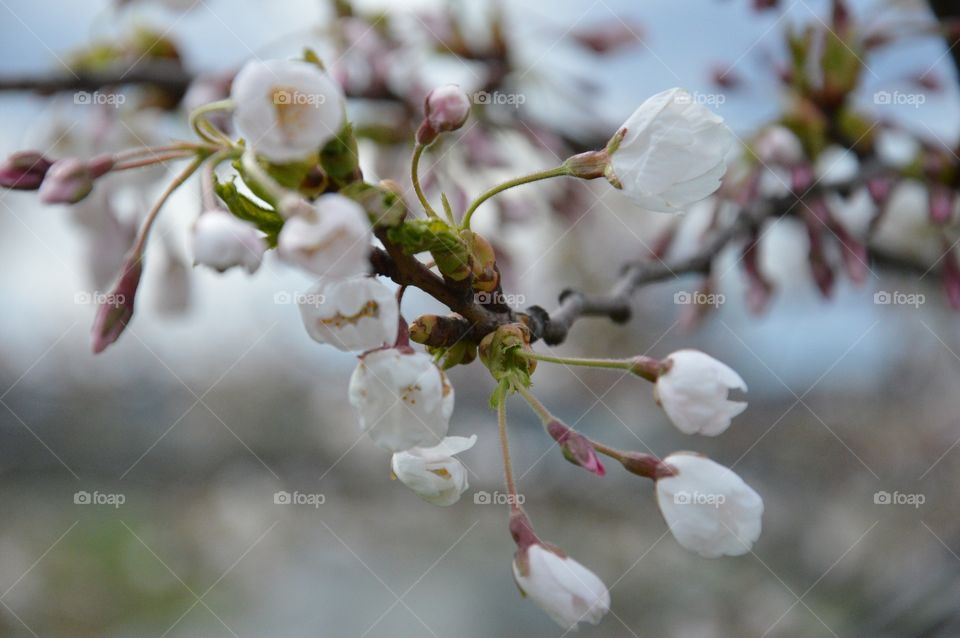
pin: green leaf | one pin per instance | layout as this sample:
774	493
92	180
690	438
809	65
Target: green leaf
384	207
436	237
339	158
268	221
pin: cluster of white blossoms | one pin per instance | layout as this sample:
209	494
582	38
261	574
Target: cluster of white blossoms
707	507
304	194
287	111
670	153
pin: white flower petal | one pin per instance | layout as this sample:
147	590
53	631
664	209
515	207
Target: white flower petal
673	154
353	315
709	509
286	110
566	590
694	393
402	400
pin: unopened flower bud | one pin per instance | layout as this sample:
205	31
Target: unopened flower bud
222	241
67	182
879	189
646	465
941	203
115	312
566	590
950	276
576	447
445	108
801	179
709	509
694	390
24	170
670	153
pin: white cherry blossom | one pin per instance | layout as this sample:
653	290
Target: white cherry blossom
286	109
709	509
401	398
330	239
432	472
673	152
221	241
352	315
693	392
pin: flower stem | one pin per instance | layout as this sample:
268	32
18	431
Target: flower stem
505	442
202	126
156	159
526	179
642	366
207	178
535	403
137	250
415	178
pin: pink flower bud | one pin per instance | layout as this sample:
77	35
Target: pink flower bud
801	179
951	279
67	182
608	37
114	314
941	203
759	289
24	170
879	189
576	447
445	108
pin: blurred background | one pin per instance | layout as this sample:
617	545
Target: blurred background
138	487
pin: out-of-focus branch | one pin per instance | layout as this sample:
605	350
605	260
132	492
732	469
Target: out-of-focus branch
168	76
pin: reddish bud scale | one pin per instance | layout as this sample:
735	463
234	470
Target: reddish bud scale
646	465
24	170
576	448
820	268
758	288
951	279
940	198
114	314
879	189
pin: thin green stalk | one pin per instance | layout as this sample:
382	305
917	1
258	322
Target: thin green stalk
415	177
155	211
202	126
535	403
559	171
613	364
207	181
504	440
